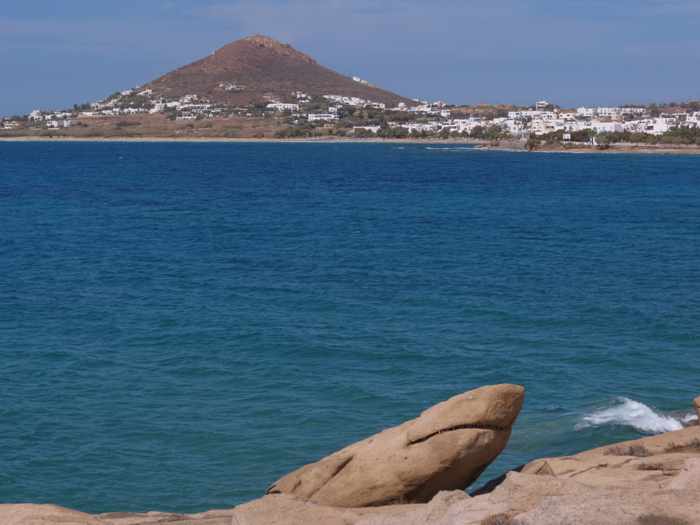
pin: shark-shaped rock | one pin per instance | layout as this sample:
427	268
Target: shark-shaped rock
445	448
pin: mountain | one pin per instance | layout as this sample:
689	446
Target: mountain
259	68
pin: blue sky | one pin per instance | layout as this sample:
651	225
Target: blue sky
57	53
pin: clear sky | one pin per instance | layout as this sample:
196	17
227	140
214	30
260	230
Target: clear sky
57	53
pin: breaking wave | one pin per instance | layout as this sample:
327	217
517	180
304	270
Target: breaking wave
627	412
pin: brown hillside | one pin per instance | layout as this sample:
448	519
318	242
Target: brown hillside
259	68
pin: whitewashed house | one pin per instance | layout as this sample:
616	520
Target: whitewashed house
281	106
321	117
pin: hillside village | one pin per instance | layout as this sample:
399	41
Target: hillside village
305	115
258	87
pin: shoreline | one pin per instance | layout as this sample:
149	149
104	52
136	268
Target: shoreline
322	140
505	146
653	480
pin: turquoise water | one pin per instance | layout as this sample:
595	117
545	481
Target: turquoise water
181	324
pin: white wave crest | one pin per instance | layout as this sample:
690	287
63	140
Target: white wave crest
628	412
689	418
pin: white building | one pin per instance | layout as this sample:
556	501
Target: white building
372	129
542	127
158	107
651	126
301	96
428	127
56	124
606	127
230	86
348	101
515	127
568	116
693	119
280	106
463	125
321	117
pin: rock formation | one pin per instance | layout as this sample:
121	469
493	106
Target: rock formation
445	448
649	481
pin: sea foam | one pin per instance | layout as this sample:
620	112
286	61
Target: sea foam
627	412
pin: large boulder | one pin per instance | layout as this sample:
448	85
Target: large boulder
696	404
445	448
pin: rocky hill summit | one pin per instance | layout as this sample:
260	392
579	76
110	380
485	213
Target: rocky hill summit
259	69
415	473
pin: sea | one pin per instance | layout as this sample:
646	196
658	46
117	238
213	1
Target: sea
183	323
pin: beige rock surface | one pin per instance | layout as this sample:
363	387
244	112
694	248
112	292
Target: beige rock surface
696	404
446	508
641	463
215	517
649	481
282	509
26	514
621	507
445	448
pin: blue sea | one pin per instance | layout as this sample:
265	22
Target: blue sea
181	324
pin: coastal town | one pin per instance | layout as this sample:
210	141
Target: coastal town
303	115
258	87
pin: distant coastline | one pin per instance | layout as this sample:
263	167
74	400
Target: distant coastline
518	146
257	88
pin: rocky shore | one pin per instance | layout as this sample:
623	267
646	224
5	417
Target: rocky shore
416	473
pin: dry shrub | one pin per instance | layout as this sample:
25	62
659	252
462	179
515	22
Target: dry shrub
651	466
498	519
693	445
638	451
659	519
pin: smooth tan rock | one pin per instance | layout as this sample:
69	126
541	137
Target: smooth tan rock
521	492
643	463
696	404
446	508
27	514
445	448
619	507
688	478
281	509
